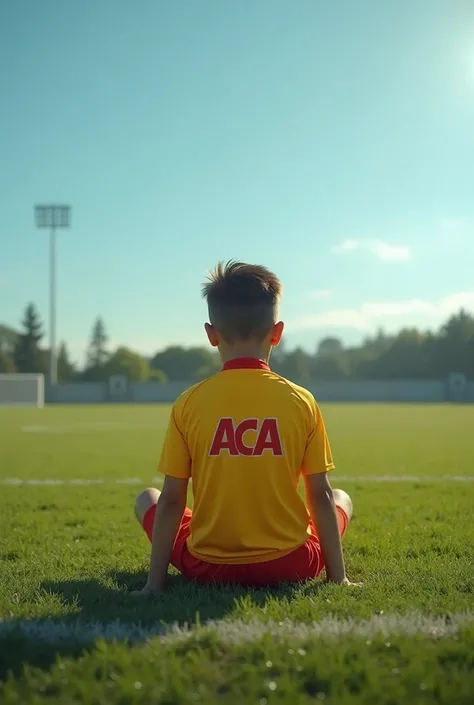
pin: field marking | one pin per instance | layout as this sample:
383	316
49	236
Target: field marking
61	482
236	632
18	482
404	478
85	427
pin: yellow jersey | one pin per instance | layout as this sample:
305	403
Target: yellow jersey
244	437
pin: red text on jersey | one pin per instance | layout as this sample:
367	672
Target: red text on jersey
229	437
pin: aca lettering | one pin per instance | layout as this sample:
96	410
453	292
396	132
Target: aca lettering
230	438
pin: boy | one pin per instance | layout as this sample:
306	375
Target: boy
243	437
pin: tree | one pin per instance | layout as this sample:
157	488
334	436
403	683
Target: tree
328	367
129	363
66	370
97	354
180	364
296	366
404	359
455	346
329	347
8	339
28	356
157	376
374	346
7	366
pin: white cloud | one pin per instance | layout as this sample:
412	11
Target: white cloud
381	250
320	294
397	308
453	225
389	313
454	229
336	318
452	303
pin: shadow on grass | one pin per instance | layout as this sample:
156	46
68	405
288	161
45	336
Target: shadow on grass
108	600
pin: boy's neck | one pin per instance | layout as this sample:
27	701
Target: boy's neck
235	352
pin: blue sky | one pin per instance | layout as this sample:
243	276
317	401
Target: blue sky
333	142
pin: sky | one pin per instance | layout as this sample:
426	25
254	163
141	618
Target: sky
332	142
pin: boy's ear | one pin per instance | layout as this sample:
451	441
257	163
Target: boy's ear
276	334
211	334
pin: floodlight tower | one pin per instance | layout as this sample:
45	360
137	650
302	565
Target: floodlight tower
52	217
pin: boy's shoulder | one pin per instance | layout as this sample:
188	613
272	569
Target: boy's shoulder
301	392
185	396
297	392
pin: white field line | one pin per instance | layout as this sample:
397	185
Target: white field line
20	482
403	478
85	427
237	632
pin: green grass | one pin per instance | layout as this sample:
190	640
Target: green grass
70	553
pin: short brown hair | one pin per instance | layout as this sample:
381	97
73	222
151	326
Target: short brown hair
242	300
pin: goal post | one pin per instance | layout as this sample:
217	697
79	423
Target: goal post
22	390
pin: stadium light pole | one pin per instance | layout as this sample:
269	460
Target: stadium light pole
52	217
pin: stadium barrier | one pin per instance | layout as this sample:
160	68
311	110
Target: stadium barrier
383	391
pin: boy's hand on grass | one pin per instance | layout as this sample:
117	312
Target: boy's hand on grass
347	583
147	591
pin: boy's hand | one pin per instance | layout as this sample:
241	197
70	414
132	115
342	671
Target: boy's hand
323	512
346	582
169	512
147	591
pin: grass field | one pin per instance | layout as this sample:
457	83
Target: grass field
70	551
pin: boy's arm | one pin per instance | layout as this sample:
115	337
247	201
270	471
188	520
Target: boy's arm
323	513
169	512
317	463
175	464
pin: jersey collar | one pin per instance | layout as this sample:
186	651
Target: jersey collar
246	363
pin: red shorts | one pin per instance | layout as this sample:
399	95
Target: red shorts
304	563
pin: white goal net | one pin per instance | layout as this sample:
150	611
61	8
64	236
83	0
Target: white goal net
21	390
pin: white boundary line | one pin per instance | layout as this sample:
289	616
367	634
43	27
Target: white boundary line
85	427
236	632
20	482
404	478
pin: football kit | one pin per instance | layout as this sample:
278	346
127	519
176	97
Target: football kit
244	437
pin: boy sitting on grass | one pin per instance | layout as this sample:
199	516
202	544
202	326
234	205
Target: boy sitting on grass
244	436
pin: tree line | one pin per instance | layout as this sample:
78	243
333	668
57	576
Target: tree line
410	354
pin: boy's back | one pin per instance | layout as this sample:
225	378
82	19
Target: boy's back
244	436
